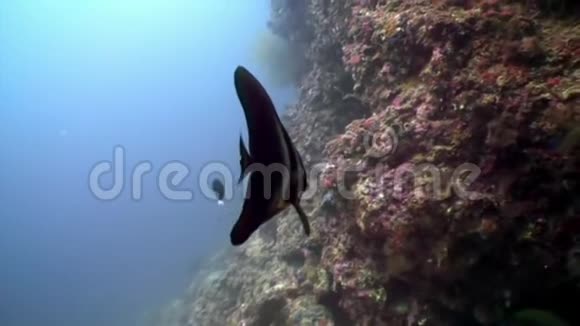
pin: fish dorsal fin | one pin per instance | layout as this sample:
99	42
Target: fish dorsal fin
245	160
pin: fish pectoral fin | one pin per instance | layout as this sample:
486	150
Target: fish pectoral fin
303	218
245	160
277	208
282	204
241	178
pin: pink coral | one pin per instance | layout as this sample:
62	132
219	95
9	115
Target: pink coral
425	111
386	70
397	102
437	56
354	60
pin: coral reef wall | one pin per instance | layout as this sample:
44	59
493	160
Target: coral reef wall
448	184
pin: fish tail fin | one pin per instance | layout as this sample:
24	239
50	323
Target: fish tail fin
303	218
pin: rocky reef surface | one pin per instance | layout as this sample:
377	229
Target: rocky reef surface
448	181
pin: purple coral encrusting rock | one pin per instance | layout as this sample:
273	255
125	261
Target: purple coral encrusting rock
436	122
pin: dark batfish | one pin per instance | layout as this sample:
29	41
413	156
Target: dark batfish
269	145
219	189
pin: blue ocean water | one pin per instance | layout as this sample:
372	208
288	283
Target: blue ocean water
78	78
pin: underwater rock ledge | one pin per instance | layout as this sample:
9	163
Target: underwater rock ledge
407	93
